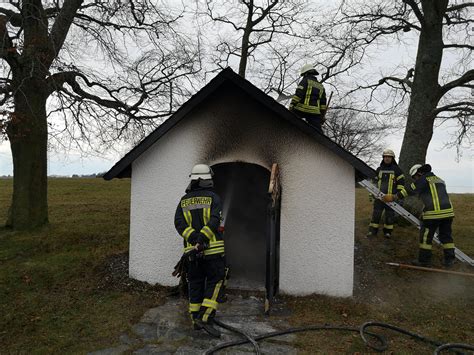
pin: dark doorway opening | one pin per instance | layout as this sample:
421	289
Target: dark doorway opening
249	226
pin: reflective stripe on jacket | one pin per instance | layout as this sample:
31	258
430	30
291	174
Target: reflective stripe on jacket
433	193
200	211
389	178
310	96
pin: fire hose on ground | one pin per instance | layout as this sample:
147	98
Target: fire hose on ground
379	345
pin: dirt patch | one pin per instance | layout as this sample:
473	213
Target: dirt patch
113	275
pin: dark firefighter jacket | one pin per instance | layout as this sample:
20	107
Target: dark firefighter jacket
309	97
432	191
389	178
198	215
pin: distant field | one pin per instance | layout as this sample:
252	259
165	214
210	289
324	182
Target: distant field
53	297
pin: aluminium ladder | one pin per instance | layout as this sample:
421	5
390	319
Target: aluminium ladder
411	218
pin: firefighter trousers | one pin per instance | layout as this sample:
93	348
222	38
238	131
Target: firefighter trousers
205	279
379	208
427	233
314	120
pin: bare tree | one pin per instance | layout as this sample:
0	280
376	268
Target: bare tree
258	22
357	132
434	95
102	67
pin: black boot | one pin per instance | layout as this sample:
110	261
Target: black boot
424	258
372	232
449	257
421	263
209	328
448	262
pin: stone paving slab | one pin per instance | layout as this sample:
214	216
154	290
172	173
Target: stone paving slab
167	330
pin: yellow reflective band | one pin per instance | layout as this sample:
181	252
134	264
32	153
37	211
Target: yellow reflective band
400	177
300	87
308	94
208	215
188	248
404	192
209	303
375	225
186	217
434	196
214	251
439	217
308	109
194	307
413	186
206	315
448	246
388	226
426	246
390	183
187	232
425	236
446	210
208	233
296	98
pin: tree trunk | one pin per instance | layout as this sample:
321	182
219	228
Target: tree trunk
244	54
28	135
425	93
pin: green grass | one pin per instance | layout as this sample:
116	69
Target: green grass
53	297
435	305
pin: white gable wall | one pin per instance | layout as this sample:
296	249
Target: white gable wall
317	212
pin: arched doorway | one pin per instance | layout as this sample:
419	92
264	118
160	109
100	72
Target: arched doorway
243	188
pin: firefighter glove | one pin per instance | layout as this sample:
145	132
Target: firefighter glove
194	238
202	239
389	198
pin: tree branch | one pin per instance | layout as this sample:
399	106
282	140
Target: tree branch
458	106
14	17
460	6
462	80
7	49
62	24
416	10
264	13
453	45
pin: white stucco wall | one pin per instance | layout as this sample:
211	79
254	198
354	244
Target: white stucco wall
317	212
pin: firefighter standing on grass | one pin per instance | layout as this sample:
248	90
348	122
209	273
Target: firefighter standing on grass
309	100
438	213
390	180
197	220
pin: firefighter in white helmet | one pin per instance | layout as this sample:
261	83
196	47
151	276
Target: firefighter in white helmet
438	213
389	179
309	100
197	220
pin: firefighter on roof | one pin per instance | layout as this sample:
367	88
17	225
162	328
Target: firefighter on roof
309	100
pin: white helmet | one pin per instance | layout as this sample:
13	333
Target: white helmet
201	171
414	169
388	153
306	68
